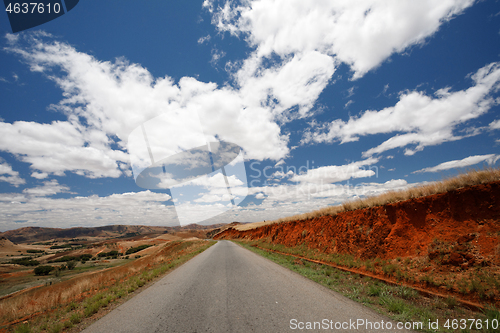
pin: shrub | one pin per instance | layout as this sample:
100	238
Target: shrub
64	246
109	255
43	270
137	249
85	257
25	262
71	265
35	251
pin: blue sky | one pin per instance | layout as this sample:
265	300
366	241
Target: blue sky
322	101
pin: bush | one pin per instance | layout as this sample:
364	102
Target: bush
71	265
137	249
83	257
43	270
25	262
64	246
35	251
108	255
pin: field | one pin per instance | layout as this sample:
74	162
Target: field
59	284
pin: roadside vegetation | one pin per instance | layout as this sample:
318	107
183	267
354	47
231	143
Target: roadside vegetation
477	283
80	300
400	303
472	177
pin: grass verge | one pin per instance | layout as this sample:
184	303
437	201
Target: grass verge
399	303
99	298
475	282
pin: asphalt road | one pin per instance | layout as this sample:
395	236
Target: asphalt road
230	289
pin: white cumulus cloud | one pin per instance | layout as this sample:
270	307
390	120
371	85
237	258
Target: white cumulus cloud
468	161
360	33
10	176
418	119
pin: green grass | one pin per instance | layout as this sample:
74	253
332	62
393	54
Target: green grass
399	303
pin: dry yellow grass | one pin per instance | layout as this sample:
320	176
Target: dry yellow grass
472	177
49	297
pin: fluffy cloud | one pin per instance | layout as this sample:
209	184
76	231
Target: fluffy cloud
297	46
287	200
361	34
10	176
335	173
468	161
422	120
105	101
57	147
48	188
148	208
495	125
144	208
39	175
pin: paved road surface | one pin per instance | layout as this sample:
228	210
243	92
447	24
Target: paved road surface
230	289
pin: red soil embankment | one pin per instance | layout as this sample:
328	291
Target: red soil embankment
462	226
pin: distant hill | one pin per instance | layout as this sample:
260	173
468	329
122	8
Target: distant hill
4	242
41	234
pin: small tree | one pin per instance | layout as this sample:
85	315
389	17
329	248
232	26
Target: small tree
71	265
43	270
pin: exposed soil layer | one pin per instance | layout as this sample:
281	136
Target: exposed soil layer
452	232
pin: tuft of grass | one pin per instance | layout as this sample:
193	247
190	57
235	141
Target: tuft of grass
492	314
389	269
75	318
451	302
58	327
23	328
374	290
393	304
406	293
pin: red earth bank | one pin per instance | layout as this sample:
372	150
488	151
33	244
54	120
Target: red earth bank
462	226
